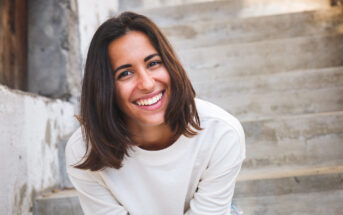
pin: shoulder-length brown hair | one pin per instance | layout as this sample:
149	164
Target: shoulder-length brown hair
102	121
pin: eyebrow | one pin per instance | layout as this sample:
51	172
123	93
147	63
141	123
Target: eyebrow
129	65
122	67
150	56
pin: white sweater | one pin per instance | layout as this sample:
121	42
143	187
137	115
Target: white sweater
195	175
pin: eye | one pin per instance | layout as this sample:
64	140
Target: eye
124	74
154	63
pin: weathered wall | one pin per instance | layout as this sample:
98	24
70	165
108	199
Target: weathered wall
134	4
31	128
54	51
91	15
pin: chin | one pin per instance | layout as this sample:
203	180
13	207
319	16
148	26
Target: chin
152	123
152	120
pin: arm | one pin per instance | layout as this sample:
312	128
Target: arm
94	197
217	183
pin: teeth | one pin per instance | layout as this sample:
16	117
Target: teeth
150	101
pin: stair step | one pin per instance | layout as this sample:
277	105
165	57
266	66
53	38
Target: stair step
288	172
261	106
308	203
304	140
285	180
219	10
58	203
267	56
270	182
200	34
264	96
250	185
265	83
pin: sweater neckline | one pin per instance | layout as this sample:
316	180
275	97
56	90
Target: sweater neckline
160	156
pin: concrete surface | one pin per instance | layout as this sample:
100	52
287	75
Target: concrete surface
310	139
64	179
287	180
270	95
54	59
219	10
290	81
31	128
90	20
144	4
64	202
251	193
229	31
307	203
267	56
273	104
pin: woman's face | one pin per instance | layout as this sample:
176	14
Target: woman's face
142	82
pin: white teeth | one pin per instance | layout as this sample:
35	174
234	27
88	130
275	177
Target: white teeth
150	101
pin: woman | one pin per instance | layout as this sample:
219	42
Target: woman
146	145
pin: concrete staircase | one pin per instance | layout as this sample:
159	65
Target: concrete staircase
278	66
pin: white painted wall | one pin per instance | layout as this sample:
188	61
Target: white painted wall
31	128
91	14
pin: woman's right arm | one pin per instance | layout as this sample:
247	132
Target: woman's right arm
95	197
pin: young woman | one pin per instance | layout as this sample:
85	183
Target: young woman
146	145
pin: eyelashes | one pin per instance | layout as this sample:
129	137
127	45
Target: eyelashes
126	73
123	74
154	63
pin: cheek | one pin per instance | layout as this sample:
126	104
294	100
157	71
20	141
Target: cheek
165	77
124	93
121	95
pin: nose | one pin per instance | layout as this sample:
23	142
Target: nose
145	81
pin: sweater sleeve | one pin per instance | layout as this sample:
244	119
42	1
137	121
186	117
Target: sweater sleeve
94	197
216	187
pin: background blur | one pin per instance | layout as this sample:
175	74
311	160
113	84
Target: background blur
275	64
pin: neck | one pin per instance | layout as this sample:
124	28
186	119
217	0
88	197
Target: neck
152	137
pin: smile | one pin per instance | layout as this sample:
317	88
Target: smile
150	101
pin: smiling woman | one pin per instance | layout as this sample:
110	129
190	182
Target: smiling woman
142	85
140	148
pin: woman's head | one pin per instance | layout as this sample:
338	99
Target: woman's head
131	71
141	81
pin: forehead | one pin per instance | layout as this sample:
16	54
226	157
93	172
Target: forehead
133	46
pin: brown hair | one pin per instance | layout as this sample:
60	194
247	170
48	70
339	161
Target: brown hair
102	121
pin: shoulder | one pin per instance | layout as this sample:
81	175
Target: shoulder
75	148
223	129
210	113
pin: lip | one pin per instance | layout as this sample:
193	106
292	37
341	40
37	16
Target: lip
149	96
155	106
